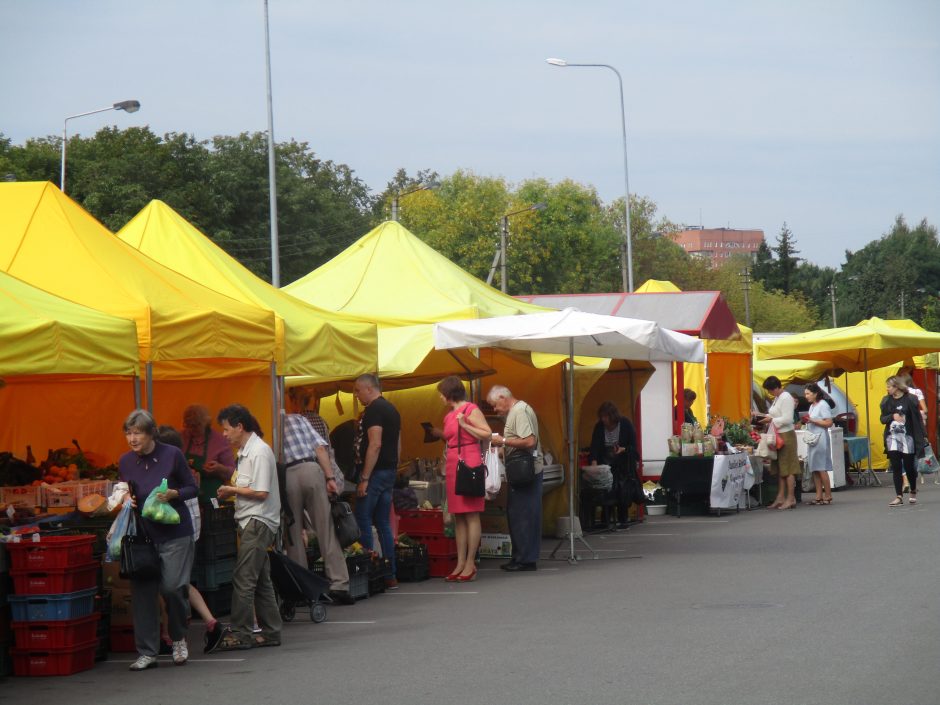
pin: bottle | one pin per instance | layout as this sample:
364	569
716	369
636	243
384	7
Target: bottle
30	458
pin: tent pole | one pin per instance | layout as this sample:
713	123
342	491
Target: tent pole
572	457
149	384
136	391
871	472
275	415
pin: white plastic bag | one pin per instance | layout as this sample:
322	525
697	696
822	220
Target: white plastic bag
494	480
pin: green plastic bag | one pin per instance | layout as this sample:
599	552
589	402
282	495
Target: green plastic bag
160	512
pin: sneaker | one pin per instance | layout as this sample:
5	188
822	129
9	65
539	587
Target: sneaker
213	637
912	499
180	652
143	663
391	584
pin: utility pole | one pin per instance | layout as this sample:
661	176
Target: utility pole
745	275
832	298
902	305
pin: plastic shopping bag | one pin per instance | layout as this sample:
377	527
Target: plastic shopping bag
927	465
494	480
117	531
158	511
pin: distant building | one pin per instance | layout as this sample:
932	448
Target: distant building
717	244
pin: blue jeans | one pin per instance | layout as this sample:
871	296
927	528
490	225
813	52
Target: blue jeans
375	508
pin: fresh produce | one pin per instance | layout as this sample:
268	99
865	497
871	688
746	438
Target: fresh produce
157	510
92	505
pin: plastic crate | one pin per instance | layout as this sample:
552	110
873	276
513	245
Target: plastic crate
380	571
53	608
6	588
67	494
25	496
6	631
51	552
359	586
6	660
421	521
209	575
441	566
54	662
217	519
121	639
4	559
358	567
55	635
438	545
217	544
411	563
54	582
219	601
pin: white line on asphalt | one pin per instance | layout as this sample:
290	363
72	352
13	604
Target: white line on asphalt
462	592
192	660
330	621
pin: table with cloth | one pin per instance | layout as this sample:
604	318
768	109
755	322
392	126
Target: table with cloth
724	479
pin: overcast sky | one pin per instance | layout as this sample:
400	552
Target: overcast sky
742	114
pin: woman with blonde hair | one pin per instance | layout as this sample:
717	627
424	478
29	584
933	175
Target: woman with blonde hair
904	436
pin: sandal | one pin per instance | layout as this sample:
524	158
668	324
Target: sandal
896	502
265	641
818	500
912	499
230	642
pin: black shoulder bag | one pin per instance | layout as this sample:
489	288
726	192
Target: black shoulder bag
345	524
139	557
470	480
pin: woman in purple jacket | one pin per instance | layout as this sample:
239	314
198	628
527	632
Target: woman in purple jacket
143	468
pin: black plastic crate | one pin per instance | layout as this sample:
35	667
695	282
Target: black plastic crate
6	661
210	575
219	601
412	563
214	520
216	544
358	567
380	571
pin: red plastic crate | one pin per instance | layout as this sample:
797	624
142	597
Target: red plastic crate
442	566
438	544
51	552
54	662
54	582
122	639
55	635
421	521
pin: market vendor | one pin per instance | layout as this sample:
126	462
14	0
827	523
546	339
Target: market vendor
207	451
613	442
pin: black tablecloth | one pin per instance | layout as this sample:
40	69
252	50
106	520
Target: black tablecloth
691	475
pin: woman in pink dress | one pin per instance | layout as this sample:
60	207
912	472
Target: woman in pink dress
464	428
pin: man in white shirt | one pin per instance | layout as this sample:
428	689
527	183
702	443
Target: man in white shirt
258	515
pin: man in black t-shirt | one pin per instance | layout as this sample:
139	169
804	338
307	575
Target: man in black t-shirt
378	441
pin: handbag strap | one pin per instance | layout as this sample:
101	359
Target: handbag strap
460	428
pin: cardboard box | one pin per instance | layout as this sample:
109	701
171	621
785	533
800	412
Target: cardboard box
494	522
111	579
495	545
121	612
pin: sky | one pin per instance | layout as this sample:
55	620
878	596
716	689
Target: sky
742	114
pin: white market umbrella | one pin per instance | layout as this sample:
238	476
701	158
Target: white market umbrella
572	332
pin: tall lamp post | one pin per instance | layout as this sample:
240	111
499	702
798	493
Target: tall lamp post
504	241
626	253
427	187
128	106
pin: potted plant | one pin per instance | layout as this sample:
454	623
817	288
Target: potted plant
741	436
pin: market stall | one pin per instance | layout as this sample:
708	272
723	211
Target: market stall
188	335
723	480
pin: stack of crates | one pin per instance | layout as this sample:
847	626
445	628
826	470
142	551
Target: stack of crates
114	603
411	563
54	623
426	526
214	564
359	568
6	634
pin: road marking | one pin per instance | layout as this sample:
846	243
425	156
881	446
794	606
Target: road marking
330	621
462	592
192	660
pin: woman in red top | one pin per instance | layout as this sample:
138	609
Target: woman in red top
464	428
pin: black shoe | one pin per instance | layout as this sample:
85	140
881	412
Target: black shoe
341	597
213	637
519	567
512	565
165	649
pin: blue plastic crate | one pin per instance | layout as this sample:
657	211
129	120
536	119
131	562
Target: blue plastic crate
211	575
52	608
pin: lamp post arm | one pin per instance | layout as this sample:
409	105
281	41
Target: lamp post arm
65	138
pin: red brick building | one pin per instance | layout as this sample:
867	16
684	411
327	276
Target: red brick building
717	244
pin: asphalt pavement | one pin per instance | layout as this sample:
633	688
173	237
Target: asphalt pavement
830	604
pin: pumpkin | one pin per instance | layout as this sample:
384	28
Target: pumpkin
93	505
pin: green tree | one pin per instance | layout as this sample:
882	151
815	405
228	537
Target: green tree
771	311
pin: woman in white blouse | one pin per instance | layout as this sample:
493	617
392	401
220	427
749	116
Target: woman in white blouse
787	464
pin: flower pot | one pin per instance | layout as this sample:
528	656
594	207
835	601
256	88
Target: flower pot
655	509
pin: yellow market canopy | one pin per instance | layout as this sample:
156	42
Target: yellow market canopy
318	343
51	242
866	345
43	334
392	277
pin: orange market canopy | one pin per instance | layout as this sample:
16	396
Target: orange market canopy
318	343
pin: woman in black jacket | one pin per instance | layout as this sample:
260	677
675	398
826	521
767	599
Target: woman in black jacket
613	442
904	436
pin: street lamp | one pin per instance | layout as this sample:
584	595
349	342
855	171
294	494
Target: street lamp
427	187
128	106
503	241
626	253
